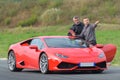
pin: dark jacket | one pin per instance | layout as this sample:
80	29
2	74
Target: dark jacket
77	28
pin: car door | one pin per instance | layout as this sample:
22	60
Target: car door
32	55
110	51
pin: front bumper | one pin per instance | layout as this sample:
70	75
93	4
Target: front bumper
70	66
57	65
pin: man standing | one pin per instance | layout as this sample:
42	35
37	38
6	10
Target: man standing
76	28
88	32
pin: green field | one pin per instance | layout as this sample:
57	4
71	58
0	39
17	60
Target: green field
105	34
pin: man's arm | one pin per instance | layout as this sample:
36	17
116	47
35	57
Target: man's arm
95	24
71	34
71	31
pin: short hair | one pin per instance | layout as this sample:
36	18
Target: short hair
75	17
85	18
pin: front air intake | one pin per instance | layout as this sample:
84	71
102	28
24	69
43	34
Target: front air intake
64	65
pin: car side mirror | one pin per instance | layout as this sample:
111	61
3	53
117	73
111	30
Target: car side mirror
34	47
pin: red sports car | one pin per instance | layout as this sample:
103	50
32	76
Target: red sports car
59	53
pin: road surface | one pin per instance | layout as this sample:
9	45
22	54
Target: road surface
113	73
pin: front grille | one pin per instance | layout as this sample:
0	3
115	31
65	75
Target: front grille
64	65
101	64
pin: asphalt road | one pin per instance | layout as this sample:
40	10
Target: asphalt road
113	73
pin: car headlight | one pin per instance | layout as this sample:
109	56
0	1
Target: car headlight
101	55
61	55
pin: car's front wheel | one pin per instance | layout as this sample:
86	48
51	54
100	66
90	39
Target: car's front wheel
12	62
44	63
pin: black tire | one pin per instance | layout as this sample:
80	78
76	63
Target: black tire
43	63
97	71
12	62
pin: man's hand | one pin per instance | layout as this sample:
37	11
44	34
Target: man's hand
72	37
72	32
96	22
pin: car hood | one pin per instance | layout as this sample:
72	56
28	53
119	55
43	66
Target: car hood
75	52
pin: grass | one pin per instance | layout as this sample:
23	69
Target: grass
10	36
105	33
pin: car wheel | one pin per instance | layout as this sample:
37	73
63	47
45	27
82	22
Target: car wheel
12	62
97	71
44	63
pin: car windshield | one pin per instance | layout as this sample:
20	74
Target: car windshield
64	43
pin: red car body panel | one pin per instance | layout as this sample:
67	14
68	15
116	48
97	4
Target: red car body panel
31	57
